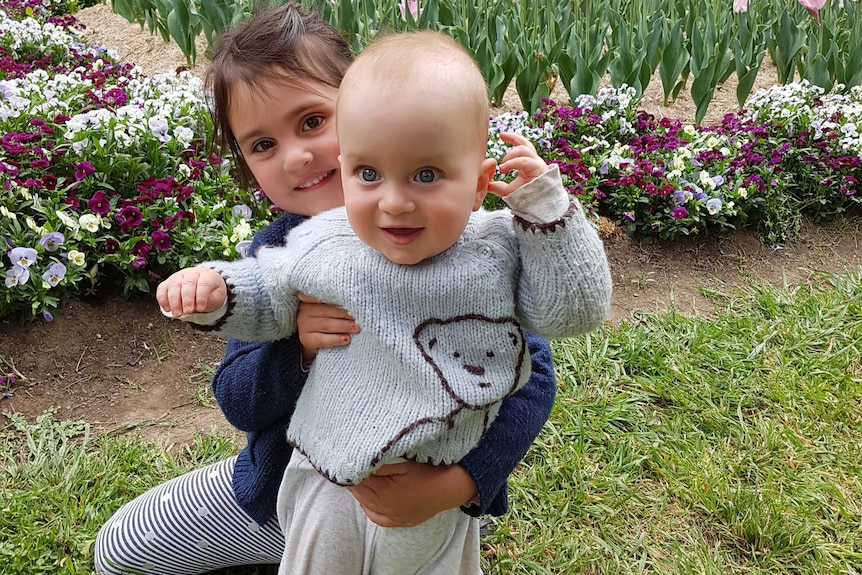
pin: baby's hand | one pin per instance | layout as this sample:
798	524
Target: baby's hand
192	290
522	157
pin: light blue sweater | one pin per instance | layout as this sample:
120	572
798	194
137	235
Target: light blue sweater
442	341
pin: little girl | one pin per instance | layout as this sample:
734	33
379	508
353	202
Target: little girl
274	81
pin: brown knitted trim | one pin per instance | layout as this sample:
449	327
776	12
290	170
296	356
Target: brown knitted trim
231	303
331	477
547	227
449	419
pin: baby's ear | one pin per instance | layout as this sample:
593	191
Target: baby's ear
486	174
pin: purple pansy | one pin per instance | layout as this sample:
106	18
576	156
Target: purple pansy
23	257
52	241
161	240
54	274
679	213
129	217
99	203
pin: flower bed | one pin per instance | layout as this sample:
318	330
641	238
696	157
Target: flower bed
108	182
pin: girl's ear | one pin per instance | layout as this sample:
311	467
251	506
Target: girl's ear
489	168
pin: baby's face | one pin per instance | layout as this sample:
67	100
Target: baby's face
412	170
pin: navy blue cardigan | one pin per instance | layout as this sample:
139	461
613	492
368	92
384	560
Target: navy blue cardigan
257	385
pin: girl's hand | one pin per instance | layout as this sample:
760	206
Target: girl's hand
322	325
406	494
522	157
192	290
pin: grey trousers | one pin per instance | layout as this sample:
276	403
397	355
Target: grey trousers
343	541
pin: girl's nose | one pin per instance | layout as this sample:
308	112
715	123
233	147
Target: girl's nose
395	201
296	158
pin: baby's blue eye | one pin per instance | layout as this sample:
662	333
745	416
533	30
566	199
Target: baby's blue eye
368	175
427	175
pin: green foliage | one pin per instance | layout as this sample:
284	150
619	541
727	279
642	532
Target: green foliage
541	42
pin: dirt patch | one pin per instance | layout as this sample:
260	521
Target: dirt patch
123	367
118	364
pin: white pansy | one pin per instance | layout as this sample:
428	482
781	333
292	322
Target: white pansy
76	258
184	135
706	180
67	221
30	223
89	222
241	231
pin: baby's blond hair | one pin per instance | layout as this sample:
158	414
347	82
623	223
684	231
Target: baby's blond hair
424	64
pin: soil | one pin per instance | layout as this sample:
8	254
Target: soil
121	366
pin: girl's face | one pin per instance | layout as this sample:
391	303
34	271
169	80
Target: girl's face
287	137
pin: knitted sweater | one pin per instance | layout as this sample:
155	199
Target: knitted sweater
257	384
442	341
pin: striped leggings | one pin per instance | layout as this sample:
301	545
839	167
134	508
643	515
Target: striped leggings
186	526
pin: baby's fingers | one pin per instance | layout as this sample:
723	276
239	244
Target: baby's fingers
515	139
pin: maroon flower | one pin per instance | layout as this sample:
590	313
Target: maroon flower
129	217
161	240
49	181
141	248
112	246
83	169
99	203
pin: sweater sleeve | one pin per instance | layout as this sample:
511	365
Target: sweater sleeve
258	383
261	304
564	287
510	435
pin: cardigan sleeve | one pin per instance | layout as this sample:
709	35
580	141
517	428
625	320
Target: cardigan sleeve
257	383
510	435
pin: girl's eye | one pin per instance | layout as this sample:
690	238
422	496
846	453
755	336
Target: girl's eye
427	175
262	146
312	123
368	175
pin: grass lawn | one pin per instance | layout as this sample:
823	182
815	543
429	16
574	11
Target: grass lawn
677	445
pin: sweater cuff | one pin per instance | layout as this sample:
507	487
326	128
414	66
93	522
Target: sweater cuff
208	318
541	201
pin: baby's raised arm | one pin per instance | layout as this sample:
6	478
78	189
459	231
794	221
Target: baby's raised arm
192	290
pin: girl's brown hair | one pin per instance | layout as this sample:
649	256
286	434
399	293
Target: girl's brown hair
285	43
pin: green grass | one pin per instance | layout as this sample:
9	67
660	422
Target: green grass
677	445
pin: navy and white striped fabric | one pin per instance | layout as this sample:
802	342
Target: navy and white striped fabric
188	525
